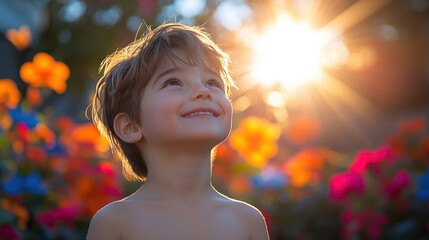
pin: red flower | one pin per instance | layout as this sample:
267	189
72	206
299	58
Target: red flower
413	126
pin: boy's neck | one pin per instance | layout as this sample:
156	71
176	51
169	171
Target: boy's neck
179	175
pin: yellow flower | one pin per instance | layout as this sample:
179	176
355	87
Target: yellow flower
45	71
9	94
20	38
255	140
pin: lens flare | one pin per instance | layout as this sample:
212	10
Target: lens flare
292	53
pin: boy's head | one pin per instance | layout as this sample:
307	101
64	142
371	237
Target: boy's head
127	72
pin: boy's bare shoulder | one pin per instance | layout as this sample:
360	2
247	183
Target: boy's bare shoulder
242	208
106	223
250	215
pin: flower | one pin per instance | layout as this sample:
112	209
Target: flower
58	215
412	126
17	184
5	121
255	140
368	222
341	185
45	71
36	154
366	159
20	38
28	118
46	134
422	191
20	212
302	129
239	185
7	233
400	181
304	167
9	94
33	96
269	178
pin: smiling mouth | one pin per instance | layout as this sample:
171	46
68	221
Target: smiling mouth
201	114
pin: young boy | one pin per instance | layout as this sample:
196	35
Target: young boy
163	104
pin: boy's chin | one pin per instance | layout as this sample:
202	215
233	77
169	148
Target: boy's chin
208	142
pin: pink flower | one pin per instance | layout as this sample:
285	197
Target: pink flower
400	181
7	233
343	184
370	160
375	224
367	221
64	215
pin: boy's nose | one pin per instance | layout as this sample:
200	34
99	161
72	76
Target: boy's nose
201	93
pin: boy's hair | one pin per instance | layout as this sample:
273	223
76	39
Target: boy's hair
127	71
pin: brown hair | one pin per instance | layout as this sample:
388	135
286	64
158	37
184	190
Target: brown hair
127	71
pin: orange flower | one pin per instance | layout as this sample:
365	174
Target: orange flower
255	140
20	38
46	134
45	71
224	153
9	94
18	210
412	126
34	96
239	185
304	167
89	133
82	139
5	121
301	129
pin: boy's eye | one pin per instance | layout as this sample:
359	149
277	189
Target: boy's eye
171	82
215	83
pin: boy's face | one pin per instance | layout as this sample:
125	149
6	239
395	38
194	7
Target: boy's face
183	103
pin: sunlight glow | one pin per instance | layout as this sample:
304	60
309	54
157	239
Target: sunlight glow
292	53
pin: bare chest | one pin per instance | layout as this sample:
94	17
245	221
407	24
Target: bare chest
186	223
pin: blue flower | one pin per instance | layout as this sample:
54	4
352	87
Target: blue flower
17	184
13	186
57	149
33	184
270	178
422	191
29	118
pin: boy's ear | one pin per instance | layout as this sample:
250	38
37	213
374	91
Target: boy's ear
126	130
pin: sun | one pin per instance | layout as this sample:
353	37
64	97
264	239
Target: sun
292	53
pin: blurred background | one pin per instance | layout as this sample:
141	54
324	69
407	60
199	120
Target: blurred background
330	135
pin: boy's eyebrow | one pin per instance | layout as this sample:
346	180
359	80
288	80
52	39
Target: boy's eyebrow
166	72
175	69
